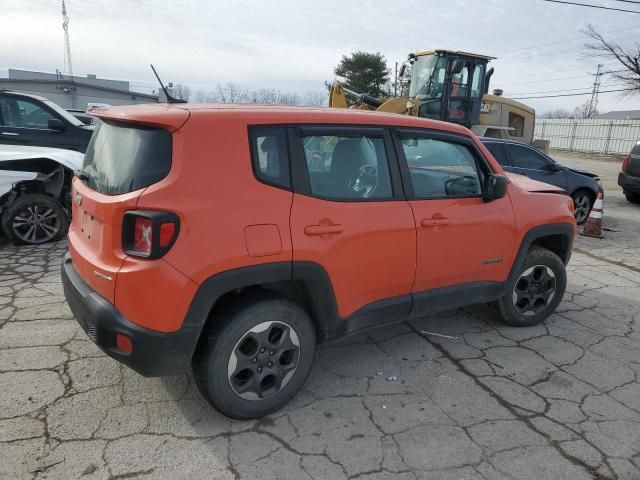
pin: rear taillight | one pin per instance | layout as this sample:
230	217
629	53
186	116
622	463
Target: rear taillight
149	234
625	163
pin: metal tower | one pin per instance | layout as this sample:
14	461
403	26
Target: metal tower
67	43
67	53
593	103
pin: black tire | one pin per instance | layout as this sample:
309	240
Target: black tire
583	202
510	311
632	197
52	228
233	324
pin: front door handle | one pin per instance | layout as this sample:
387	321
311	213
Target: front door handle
322	229
435	222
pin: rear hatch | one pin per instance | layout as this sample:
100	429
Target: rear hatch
633	166
128	152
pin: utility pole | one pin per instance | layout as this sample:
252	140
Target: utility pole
395	82
593	103
67	52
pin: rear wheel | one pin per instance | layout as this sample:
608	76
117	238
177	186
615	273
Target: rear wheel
632	197
582	202
537	290
33	219
257	358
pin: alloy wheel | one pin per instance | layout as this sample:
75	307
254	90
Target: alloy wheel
534	290
581	203
36	224
264	360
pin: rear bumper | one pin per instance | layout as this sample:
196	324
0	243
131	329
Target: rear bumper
154	353
629	183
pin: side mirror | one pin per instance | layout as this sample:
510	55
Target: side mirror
495	186
56	124
403	67
552	167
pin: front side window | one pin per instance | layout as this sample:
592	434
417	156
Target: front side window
441	169
525	157
23	114
347	168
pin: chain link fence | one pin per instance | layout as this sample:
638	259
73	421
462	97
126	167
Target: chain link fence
589	135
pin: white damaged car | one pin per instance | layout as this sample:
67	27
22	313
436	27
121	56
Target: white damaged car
35	186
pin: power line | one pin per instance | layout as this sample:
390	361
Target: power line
573	94
547	80
628	1
569	70
554	53
592	6
568	89
574	39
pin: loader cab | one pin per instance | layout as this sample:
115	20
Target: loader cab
449	85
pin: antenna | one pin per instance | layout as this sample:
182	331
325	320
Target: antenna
170	99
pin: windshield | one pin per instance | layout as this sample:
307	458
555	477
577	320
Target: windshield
427	76
63	113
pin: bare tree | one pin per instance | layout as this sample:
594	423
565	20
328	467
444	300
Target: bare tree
584	110
182	92
315	99
628	57
201	96
558	113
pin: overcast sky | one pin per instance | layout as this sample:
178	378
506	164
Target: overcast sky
294	44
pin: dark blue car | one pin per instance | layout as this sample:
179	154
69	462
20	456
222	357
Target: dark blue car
526	160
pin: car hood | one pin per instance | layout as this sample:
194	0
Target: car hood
581	172
68	158
529	185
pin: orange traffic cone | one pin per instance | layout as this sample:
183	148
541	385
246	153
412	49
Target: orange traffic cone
593	225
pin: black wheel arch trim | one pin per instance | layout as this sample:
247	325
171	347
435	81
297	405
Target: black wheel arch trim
564	231
322	304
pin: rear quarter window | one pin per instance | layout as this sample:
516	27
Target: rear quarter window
270	155
122	157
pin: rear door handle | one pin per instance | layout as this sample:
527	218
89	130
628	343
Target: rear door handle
322	229
435	222
11	134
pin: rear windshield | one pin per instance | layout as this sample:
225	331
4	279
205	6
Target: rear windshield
122	158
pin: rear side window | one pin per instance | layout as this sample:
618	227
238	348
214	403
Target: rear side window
347	168
122	157
498	152
269	155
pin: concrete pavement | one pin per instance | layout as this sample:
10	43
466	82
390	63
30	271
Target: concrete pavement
559	400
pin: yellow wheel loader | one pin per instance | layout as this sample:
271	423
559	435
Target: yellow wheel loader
449	86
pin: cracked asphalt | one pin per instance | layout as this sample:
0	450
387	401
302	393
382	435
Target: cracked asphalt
559	400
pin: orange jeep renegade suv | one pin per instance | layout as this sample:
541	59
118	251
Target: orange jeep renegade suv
231	240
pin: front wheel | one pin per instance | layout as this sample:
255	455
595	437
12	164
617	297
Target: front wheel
537	290
582	202
256	358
